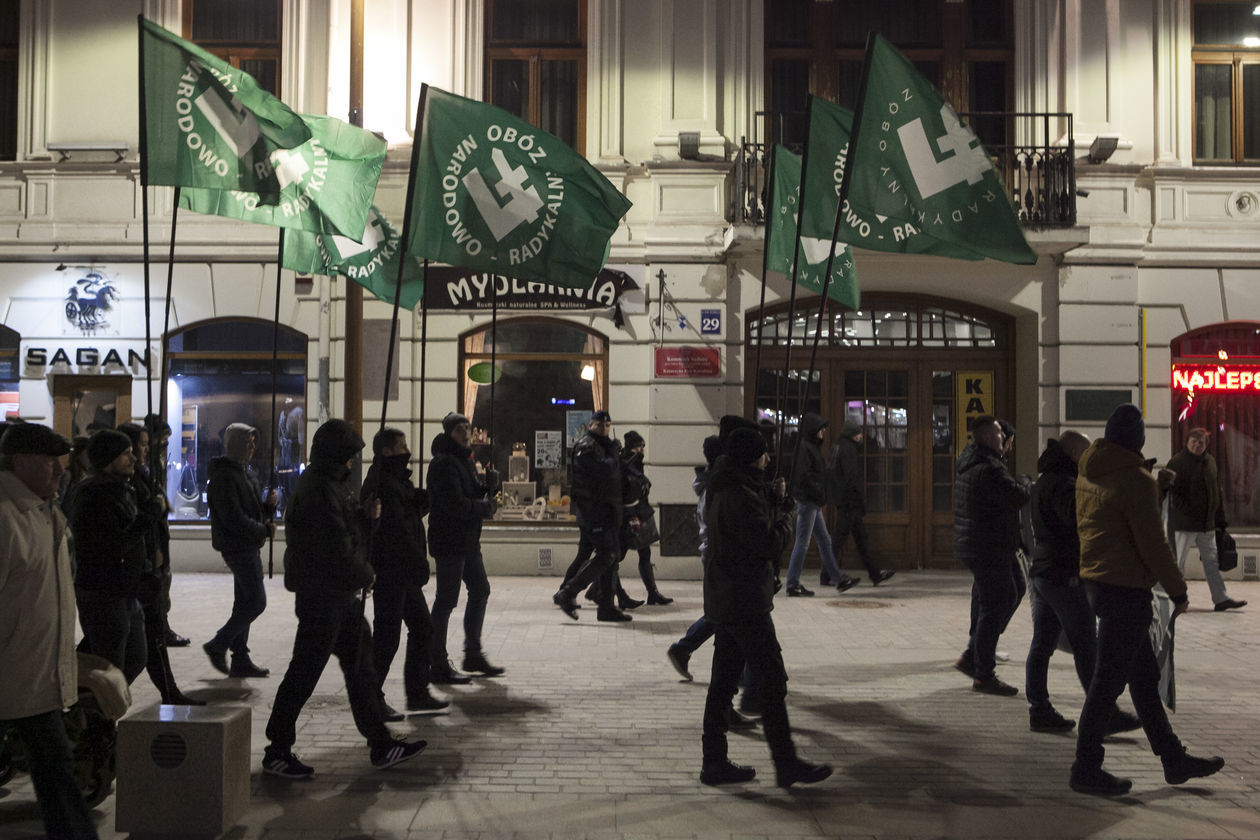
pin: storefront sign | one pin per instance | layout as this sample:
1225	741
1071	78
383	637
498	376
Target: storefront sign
710	321
1220	378
455	288
82	359
973	396
688	363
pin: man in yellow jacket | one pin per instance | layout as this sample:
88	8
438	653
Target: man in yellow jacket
1124	552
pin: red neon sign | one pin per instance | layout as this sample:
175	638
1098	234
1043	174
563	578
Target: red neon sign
1196	378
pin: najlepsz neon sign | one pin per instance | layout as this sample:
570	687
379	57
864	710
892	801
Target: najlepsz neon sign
1231	377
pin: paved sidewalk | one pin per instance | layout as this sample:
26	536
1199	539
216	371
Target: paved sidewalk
591	734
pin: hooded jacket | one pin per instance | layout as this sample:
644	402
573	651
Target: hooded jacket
809	469
398	542
987	499
1057	548
845	489
745	537
238	519
323	521
459	500
1118	519
596	481
1195	495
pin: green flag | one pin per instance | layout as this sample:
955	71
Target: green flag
372	261
493	192
781	236
326	184
207	124
920	181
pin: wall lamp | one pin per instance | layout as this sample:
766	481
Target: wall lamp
1103	147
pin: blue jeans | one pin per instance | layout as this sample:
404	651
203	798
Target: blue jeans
51	764
450	571
249	601
1058	607
696	635
113	628
1124	657
809	522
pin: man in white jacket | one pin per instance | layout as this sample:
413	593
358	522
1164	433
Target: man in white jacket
37	622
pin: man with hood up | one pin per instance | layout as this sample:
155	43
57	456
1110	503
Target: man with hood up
325	569
987	501
1059	604
745	534
1124	552
809	486
240	522
460	502
847	491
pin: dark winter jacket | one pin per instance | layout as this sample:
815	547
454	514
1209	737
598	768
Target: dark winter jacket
809	468
1057	547
109	530
987	499
1195	495
1117	514
398	542
596	483
746	536
700	485
635	487
459	501
238	521
323	522
846	489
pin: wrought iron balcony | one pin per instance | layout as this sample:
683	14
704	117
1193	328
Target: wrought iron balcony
1032	152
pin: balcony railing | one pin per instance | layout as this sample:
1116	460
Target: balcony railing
1032	152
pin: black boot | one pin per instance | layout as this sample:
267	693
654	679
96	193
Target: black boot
625	602
648	574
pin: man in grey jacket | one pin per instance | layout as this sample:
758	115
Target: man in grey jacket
37	622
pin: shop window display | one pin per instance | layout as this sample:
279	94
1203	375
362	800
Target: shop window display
548	376
220	372
9	373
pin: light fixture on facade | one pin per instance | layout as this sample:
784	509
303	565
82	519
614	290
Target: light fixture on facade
588	372
1251	41
1103	147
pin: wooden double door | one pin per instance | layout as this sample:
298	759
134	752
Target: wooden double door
912	409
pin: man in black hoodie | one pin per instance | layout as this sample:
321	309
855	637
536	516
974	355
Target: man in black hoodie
325	569
596	492
460	502
745	534
239	525
402	569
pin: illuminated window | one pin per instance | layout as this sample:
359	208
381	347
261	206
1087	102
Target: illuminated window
817	46
220	372
536	63
1226	81
10	375
549	375
244	33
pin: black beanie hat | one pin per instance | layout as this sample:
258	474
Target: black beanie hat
712	449
731	422
1126	427
634	439
105	446
450	421
745	446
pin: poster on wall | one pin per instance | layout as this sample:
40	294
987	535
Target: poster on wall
575	426
548	449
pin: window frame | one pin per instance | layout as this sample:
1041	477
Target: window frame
234	52
1237	56
535	53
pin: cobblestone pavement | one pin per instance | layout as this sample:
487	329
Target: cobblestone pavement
591	734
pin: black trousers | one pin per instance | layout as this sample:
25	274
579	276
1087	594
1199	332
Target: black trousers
329	624
51	762
602	549
756	643
850	522
398	599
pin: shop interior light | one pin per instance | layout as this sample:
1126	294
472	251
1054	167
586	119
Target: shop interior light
1251	41
588	372
1256	9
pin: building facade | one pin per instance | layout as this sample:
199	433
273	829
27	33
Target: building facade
1146	239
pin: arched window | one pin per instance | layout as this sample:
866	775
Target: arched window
549	375
877	325
1216	386
10	373
219	372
